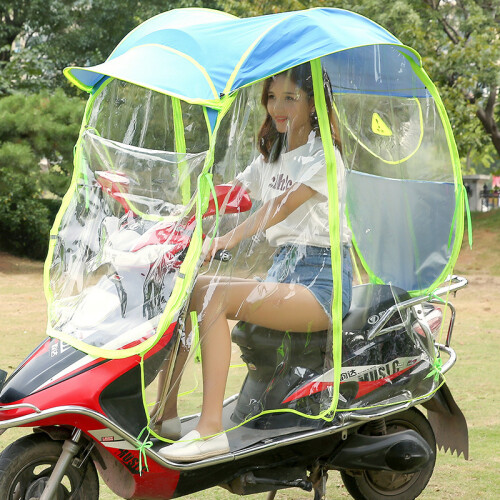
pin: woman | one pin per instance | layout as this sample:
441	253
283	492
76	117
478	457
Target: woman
289	177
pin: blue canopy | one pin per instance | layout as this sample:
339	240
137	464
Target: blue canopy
199	55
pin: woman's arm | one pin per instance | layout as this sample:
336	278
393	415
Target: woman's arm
271	213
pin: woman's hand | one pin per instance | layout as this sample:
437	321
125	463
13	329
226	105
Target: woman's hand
210	247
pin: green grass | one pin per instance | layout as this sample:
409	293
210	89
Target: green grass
489	221
473	381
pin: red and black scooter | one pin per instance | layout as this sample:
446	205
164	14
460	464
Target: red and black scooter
87	413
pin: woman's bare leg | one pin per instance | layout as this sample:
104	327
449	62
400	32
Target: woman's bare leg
273	305
170	408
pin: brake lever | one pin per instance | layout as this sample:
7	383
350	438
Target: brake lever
223	255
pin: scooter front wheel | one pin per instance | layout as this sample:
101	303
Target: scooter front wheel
385	485
26	465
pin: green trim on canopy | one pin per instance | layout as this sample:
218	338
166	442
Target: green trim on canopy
180	147
375	155
459	188
333	221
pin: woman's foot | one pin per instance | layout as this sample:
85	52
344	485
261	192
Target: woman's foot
192	447
169	429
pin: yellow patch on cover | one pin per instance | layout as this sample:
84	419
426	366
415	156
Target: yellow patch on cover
379	127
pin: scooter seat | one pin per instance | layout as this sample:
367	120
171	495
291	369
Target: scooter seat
368	304
278	361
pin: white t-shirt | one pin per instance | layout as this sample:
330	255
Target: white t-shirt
308	224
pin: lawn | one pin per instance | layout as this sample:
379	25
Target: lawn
473	381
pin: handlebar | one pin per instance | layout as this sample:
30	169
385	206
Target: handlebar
223	255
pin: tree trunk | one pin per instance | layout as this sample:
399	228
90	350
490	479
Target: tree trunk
487	118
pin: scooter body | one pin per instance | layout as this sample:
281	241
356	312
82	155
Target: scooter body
92	408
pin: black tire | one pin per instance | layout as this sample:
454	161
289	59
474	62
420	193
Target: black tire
26	464
384	485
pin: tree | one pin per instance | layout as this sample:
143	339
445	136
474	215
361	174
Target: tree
34	129
459	41
39	38
38	131
465	61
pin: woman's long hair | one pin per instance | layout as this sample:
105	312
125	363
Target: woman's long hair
271	142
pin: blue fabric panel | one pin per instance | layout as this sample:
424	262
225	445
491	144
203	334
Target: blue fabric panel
151	67
250	49
374	69
401	234
176	19
306	35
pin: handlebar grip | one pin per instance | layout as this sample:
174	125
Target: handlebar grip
223	255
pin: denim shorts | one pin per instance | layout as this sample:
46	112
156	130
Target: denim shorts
311	267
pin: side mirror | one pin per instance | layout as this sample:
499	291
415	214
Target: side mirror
231	199
115	184
3	376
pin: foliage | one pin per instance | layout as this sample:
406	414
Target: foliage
48	36
459	43
37	135
460	46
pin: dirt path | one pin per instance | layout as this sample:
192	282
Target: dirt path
474	384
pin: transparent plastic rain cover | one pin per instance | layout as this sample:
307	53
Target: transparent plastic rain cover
294	222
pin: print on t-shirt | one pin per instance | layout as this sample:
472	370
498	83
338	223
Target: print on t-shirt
281	182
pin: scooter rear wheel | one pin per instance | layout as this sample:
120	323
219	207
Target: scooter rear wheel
385	485
26	465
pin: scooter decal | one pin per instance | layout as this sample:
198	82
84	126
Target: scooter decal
365	387
71	374
368	377
111	440
129	461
